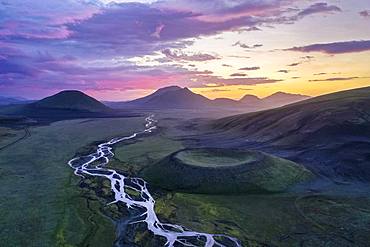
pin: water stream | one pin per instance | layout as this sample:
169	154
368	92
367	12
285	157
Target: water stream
94	165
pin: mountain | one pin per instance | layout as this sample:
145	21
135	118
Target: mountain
70	100
329	133
250	99
280	98
157	93
171	97
182	98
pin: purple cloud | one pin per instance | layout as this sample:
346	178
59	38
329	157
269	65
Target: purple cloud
336	47
215	81
179	55
250	29
245	46
319	8
86	45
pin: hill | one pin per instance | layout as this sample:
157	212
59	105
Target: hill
312	131
170	97
225	171
70	100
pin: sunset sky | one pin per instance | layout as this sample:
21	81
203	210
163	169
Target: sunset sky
120	50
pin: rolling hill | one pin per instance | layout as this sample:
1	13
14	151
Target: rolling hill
330	133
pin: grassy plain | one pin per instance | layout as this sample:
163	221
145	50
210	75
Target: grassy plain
41	203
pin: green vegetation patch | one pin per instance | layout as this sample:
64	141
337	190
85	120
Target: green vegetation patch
273	219
146	151
208	171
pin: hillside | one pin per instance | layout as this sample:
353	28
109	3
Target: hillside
337	123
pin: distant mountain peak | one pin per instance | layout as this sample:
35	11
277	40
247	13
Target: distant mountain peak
249	96
282	98
283	94
169	88
171	97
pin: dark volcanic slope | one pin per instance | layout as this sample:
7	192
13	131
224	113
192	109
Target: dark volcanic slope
71	100
332	130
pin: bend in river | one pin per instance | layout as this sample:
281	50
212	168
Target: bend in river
93	165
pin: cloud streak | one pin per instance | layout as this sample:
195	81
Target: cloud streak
335	47
319	8
336	79
365	13
245	46
250	68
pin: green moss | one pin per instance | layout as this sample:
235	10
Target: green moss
146	151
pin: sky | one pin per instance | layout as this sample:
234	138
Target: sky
121	50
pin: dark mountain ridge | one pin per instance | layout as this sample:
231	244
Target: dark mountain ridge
183	98
329	133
